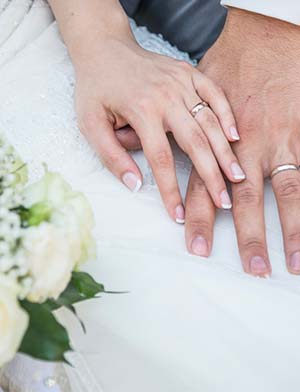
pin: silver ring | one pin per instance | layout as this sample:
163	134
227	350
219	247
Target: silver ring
197	108
282	168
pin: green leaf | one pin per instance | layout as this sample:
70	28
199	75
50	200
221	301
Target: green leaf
45	338
81	288
73	310
86	285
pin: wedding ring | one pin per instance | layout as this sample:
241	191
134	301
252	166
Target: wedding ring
282	168
196	109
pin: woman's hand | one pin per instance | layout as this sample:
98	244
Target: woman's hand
119	83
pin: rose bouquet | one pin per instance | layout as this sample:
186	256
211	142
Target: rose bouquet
45	236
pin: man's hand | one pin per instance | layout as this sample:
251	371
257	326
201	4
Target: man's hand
257	63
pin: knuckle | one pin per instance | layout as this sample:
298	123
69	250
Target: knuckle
195	196
225	111
140	110
197	141
245	195
144	104
289	188
162	159
216	181
171	196
294	237
113	158
210	119
167	93
226	153
90	120
196	189
198	224
252	243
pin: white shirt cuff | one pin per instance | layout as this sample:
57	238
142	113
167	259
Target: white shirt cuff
288	10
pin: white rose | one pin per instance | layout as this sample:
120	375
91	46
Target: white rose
68	209
49	261
77	219
13	320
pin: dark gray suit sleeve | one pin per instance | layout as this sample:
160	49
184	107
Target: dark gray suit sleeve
192	25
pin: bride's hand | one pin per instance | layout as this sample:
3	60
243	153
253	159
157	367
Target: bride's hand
119	83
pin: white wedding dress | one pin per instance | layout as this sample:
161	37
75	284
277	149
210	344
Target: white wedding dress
186	324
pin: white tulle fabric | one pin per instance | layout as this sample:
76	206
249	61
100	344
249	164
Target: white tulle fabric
185	324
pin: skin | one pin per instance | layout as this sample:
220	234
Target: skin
119	83
256	60
263	85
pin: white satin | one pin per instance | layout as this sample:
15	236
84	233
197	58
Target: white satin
186	324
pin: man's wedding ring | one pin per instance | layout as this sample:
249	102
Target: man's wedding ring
197	108
282	168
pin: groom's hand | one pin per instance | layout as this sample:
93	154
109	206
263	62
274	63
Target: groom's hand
257	63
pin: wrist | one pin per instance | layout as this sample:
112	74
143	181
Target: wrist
82	38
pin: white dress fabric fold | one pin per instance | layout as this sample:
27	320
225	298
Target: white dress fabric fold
183	323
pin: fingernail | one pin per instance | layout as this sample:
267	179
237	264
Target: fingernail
225	200
123	131
295	262
234	133
132	181
258	265
237	171
200	246
180	214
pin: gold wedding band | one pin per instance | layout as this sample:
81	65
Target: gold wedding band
197	108
282	168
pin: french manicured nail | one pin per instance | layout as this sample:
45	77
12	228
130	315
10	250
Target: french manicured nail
180	214
234	133
258	265
200	246
237	171
295	262
225	200
132	181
